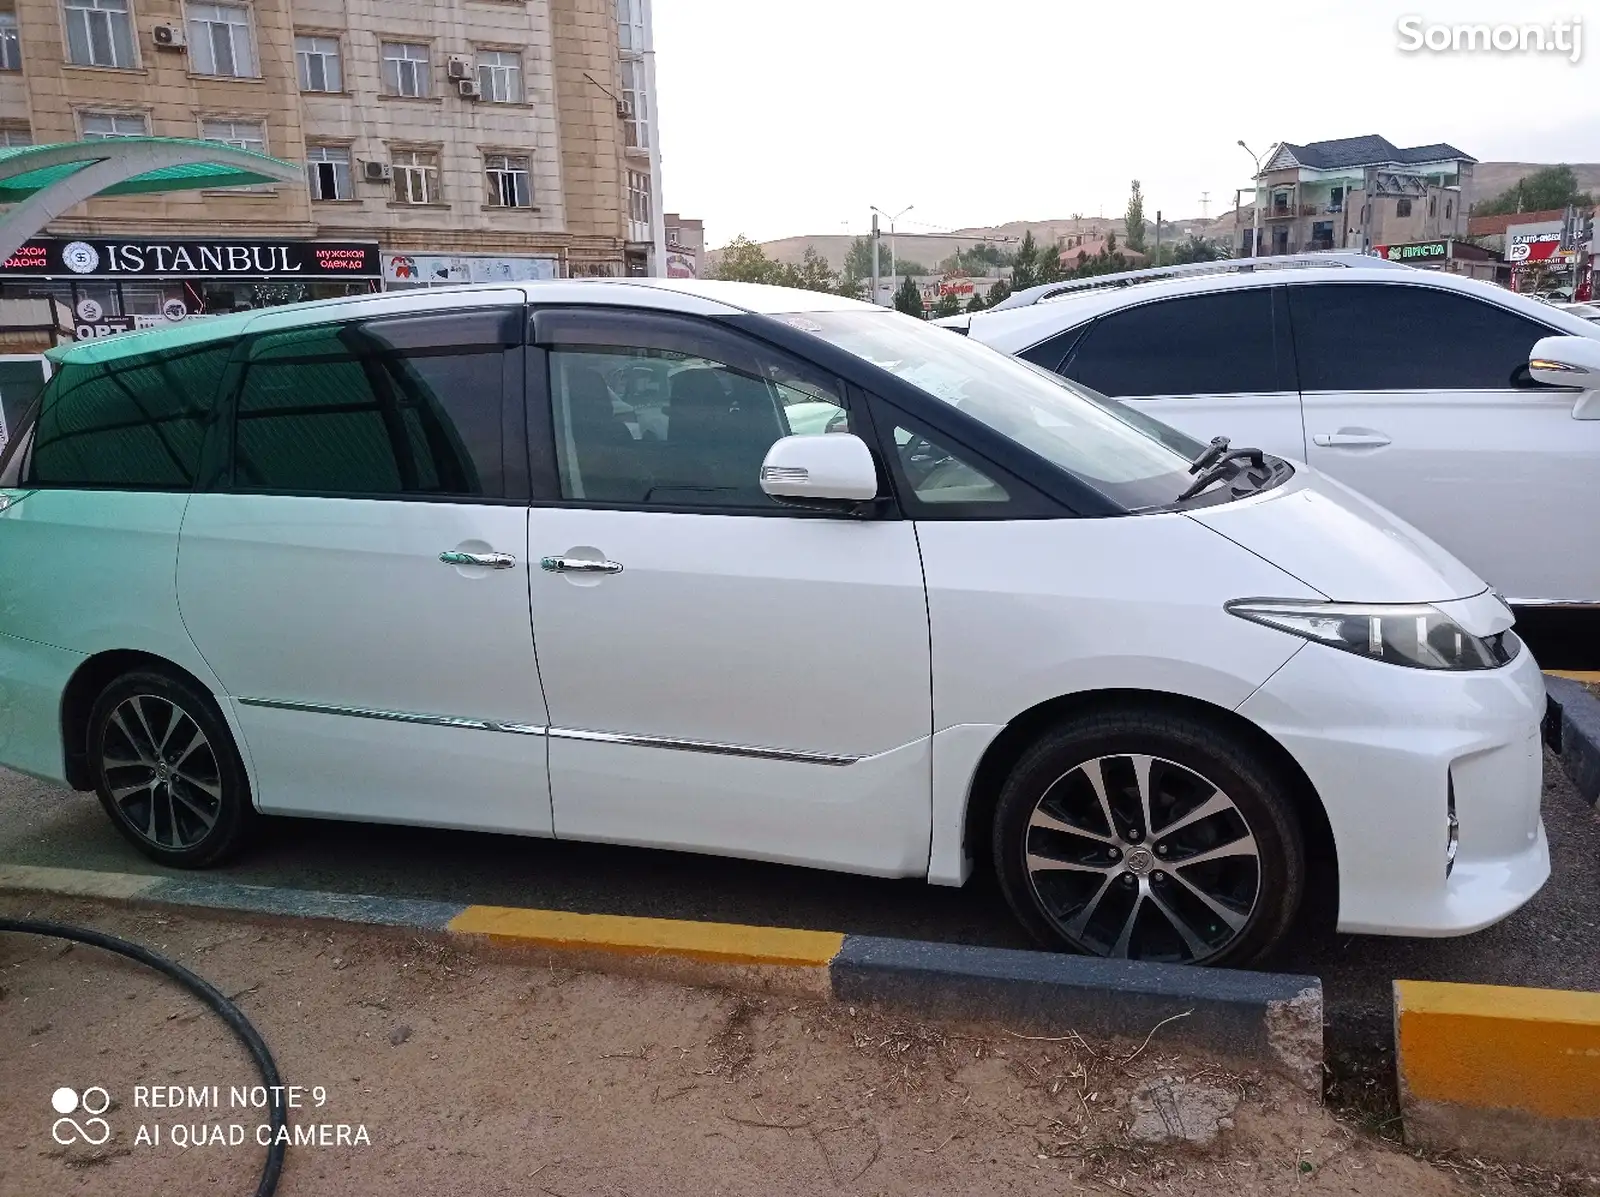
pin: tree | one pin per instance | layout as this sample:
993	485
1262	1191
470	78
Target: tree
743	261
1049	269
1000	291
908	299
858	264
813	274
976	304
1546	189
977	260
949	305
1025	265
1133	222
1197	249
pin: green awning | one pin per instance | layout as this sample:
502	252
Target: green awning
189	176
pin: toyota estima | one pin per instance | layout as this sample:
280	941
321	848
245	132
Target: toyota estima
552	560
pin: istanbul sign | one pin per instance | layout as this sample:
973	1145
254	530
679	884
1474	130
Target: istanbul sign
119	257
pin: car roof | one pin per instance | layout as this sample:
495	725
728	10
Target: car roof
701	297
1015	329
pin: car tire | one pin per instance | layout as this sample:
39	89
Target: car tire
167	771
1218	883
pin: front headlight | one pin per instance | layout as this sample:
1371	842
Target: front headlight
1413	634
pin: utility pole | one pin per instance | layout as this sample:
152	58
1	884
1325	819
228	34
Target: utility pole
1205	205
875	240
1157	260
1255	236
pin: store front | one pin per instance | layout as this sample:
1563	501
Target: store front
115	283
1446	254
403	269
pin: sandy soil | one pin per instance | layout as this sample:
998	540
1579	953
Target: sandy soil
485	1077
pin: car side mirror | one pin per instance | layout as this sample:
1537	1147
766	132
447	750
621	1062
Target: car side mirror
825	473
1570	362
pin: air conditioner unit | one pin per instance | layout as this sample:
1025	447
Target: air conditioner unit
624	110
459	68
169	37
376	172
469	89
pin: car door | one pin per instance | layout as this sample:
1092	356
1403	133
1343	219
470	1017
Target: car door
1211	364
724	673
1420	397
357	578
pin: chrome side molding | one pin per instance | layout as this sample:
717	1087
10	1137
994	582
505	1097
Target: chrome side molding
669	743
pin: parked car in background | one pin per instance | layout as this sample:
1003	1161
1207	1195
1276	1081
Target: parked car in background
414	559
1584	311
1412	386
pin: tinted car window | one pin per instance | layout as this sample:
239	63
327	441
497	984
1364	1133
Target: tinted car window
1389	337
405	407
647	423
132	423
1221	344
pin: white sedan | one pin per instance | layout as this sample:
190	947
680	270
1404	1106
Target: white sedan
1412	386
413	559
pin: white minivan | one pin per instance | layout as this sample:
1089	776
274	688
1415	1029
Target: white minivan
554	560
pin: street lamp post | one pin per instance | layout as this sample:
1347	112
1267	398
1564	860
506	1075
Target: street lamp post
1255	235
891	218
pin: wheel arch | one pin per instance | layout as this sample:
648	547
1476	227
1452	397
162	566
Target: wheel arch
1008	746
91	677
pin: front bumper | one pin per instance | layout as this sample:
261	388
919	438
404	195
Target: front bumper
1385	746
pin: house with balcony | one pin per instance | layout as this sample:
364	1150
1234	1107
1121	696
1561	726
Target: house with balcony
1359	192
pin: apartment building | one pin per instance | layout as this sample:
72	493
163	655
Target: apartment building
444	141
1358	193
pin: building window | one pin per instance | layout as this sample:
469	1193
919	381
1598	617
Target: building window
241	135
220	41
1433	206
508	181
1449	209
318	60
416	177
500	76
1280	203
1402	207
10	43
637	100
328	170
15	135
630	26
1336	200
103	126
405	69
99	33
639	211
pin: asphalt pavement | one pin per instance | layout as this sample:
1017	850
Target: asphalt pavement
1553	941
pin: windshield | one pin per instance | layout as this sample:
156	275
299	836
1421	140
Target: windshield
1096	439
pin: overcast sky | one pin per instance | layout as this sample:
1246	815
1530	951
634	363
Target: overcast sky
983	111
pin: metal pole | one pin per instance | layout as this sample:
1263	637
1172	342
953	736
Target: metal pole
1157	262
658	224
875	240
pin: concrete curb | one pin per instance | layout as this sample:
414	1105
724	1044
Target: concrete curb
1573	731
1496	1071
1262	1020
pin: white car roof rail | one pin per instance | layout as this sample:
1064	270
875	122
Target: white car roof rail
1128	278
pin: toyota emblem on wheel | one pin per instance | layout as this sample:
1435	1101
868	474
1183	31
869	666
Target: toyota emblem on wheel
80	257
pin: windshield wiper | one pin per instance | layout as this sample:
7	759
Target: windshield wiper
1213	465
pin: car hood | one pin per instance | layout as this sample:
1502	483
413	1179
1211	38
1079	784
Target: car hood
1342	544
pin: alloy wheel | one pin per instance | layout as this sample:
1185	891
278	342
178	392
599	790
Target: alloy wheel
161	771
1140	857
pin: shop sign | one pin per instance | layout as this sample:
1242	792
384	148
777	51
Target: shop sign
106	326
1417	251
121	257
681	263
428	269
1536	247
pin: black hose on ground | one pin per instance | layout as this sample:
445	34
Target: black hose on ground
207	993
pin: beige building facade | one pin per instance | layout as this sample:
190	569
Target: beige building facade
448	141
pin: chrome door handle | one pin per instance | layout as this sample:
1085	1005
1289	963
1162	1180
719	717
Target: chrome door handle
1350	440
578	565
482	560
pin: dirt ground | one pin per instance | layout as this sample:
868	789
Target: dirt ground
454	1075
